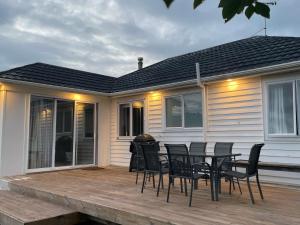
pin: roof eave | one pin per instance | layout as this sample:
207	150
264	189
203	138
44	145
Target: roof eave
261	71
68	89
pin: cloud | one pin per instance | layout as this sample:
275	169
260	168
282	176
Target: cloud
106	37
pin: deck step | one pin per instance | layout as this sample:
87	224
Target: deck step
18	209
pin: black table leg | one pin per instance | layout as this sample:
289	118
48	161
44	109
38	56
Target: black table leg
215	179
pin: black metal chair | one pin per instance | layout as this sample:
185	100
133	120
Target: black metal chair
225	164
153	164
199	148
180	167
251	170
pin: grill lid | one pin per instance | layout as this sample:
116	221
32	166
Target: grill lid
144	138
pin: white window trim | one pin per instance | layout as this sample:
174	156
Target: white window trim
130	103
266	85
182	127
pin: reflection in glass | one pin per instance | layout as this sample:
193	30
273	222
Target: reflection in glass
64	133
85	133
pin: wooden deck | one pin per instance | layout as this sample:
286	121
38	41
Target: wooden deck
111	194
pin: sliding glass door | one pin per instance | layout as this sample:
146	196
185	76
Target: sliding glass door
85	133
41	133
62	133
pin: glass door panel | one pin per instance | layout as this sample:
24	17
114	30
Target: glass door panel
40	133
64	133
85	133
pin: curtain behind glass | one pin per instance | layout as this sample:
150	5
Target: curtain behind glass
124	118
193	110
281	108
137	118
173	112
84	134
41	133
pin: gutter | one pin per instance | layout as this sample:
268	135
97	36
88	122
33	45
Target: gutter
11	81
267	70
204	105
154	88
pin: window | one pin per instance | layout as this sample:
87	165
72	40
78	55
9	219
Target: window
64	120
89	121
184	111
131	119
283	107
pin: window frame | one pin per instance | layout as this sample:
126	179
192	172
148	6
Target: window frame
266	107
182	127
130	103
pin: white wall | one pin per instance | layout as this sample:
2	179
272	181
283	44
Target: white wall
154	123
234	114
15	125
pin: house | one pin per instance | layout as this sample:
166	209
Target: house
246	92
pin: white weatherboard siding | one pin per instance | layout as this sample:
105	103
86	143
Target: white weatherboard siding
14	107
154	125
234	114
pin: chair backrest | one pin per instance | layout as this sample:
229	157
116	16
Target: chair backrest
151	156
253	159
179	160
224	148
197	148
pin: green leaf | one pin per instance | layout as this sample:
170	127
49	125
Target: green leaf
262	9
197	3
230	8
249	11
168	2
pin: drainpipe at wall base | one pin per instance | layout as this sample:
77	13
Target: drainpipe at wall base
204	104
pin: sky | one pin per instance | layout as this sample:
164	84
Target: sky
107	36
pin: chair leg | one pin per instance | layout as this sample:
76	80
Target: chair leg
220	185
153	180
181	187
206	181
250	191
169	186
137	171
259	187
230	183
185	187
211	186
159	181
191	193
144	180
233	185
238	182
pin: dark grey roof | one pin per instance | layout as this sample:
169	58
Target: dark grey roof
250	53
60	76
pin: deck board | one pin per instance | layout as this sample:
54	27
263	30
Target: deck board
19	209
112	194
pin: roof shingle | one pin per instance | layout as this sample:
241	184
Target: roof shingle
245	54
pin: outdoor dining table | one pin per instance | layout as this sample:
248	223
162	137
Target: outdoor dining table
214	169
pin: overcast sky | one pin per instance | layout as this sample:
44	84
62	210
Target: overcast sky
107	36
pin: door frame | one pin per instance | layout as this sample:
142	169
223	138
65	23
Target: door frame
53	168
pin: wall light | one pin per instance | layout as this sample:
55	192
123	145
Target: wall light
232	85
77	97
155	95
